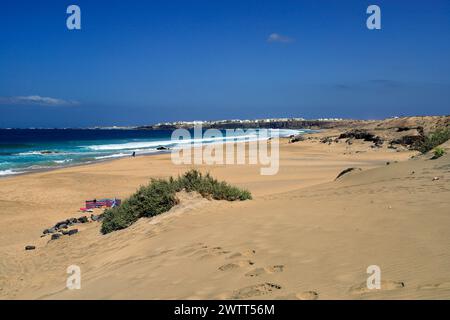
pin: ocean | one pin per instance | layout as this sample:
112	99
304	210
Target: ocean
28	150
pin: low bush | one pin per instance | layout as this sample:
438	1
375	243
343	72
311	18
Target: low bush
160	195
433	140
438	152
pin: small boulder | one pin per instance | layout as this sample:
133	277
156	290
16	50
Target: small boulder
296	138
61	223
72	232
56	236
96	217
49	230
83	219
326	140
73	220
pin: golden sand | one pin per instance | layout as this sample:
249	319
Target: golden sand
303	236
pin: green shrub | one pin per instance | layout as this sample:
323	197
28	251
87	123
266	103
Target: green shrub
438	152
434	139
160	195
148	201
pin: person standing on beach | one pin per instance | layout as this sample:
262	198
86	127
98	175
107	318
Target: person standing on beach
134	154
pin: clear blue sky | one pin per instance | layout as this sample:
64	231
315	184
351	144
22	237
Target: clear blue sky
140	62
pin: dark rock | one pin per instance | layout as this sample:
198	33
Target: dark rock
346	171
56	236
30	247
297	138
72	232
83	219
50	230
361	134
326	140
409	141
61	224
96	217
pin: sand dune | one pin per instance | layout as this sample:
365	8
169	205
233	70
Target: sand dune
304	236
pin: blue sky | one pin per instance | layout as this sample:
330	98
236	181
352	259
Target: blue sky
140	62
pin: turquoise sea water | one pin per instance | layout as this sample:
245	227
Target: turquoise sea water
27	150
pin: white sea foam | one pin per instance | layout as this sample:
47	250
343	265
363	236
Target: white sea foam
41	153
62	161
30	153
154	144
118	155
128	145
9	172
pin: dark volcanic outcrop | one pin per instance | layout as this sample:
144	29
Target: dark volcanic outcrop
361	134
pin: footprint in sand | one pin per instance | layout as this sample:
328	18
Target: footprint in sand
255	290
191	249
212	252
431	286
259	271
202	250
246	253
235	255
219	251
235	265
306	295
386	285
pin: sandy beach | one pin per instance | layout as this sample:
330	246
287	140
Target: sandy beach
304	235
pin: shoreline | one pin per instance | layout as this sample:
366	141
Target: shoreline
144	153
80	164
157	152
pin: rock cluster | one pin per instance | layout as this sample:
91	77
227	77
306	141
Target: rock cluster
362	134
410	141
61	228
328	140
296	138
